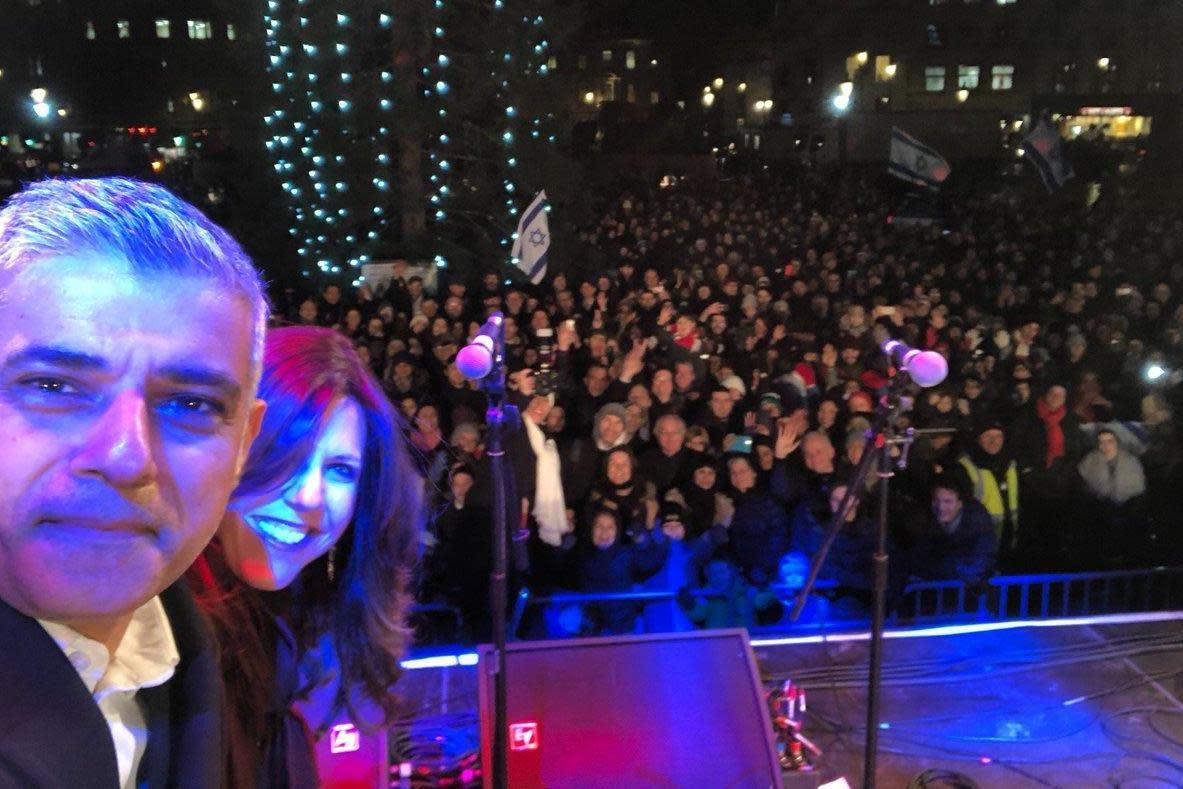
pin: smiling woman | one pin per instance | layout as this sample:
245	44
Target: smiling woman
312	560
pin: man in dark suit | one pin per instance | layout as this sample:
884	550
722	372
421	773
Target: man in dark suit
130	347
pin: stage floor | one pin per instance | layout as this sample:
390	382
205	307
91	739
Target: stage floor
1064	703
1060	704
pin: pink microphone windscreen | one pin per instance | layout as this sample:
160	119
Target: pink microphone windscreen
928	368
474	361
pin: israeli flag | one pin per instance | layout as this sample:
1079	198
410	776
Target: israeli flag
532	241
1044	148
913	161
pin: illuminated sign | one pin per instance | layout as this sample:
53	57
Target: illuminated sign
1106	111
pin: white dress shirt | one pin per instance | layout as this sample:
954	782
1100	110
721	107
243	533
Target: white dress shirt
146	657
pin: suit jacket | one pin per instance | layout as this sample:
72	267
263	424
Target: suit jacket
52	733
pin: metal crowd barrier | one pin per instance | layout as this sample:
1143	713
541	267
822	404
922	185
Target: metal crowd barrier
1003	597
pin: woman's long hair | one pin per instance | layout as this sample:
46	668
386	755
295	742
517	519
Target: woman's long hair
358	594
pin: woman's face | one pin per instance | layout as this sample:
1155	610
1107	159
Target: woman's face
704	477
619	468
270	536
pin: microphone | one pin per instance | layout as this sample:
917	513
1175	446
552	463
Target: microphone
475	360
926	368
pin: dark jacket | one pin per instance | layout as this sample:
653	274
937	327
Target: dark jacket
55	736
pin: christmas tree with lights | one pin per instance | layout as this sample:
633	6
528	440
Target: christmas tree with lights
409	126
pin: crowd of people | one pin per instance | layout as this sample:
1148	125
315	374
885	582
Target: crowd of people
694	406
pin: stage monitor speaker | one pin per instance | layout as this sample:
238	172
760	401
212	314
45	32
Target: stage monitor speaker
670	710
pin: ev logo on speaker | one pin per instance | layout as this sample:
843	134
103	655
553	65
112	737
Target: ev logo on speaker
523	736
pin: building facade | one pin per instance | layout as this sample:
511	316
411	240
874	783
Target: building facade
965	75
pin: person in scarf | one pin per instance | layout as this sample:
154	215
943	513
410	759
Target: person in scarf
1048	442
702	498
620	488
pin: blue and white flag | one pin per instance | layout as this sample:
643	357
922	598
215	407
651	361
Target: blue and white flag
1044	148
915	162
532	241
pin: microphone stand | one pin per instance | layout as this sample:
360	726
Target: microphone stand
500	417
881	436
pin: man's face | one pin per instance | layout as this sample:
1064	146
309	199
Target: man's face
556	420
663	385
1107	443
684	376
332	294
991	441
671	434
827	413
721	404
596	381
946	505
611	428
126	412
819	454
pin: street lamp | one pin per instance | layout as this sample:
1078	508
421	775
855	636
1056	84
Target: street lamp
841	102
708	99
718	83
197	101
41	107
962	95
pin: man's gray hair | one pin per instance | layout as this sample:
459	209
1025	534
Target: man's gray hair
147	226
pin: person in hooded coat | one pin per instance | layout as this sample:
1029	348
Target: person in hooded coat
584	456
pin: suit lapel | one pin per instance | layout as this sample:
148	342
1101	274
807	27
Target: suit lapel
53	732
185	715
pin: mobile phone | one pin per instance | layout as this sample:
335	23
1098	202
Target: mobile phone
742	444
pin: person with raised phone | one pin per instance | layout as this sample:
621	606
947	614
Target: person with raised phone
131	338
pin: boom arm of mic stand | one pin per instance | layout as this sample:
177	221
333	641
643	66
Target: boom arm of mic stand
884	416
854	495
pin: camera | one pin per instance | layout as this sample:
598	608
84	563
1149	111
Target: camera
545	376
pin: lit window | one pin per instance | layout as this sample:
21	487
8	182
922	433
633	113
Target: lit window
90	31
934	79
163	28
606	55
1007	2
967	77
200	29
123	28
654	97
231	33
1002	77
630	59
884	68
552	63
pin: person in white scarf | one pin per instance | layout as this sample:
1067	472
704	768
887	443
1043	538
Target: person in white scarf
550	510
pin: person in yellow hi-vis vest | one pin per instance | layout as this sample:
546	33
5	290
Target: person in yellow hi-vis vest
994	479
